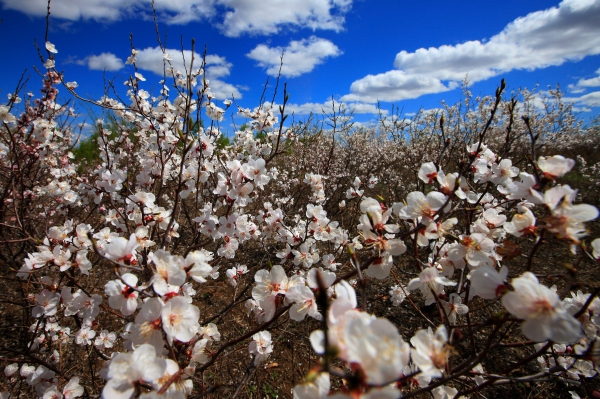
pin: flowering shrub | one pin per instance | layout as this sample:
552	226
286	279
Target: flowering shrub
142	272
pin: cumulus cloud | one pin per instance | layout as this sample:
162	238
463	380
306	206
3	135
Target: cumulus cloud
394	86
541	39
182	12
99	10
154	60
582	85
102	62
538	40
234	17
170	11
589	100
327	107
268	16
299	57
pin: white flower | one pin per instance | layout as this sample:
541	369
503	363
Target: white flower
126	369
255	170
454	307
235	272
82	262
200	353
327	278
214	112
342	310
87	308
180	388
381	266
545	315
147	328
72	389
106	339
423	206
49	63
376	345
397	294
444	392
47	304
180	319
55	357
26	370
428	172
210	331
372	181
200	267
430	353
85	336
304	303
169	274
479	249
523	189
121	295
487	282
41	378
388	392
567	219
50	392
521	224
596	249
61	257
352	193
315	389
132	58
14	98
555	167
269	285
429	280
305	255
11	369
330	263
122	250
51	48
261	346
6	116
503	171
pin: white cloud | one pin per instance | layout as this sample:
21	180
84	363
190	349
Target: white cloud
582	84
170	11
99	10
102	62
593	82
327	107
538	40
590	100
541	39
268	16
394	86
362	108
234	17
152	59
299	57
182	12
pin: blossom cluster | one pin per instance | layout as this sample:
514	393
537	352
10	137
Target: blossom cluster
120	259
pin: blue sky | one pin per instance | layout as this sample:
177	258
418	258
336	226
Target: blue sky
413	54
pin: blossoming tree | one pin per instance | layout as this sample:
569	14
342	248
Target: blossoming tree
116	271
